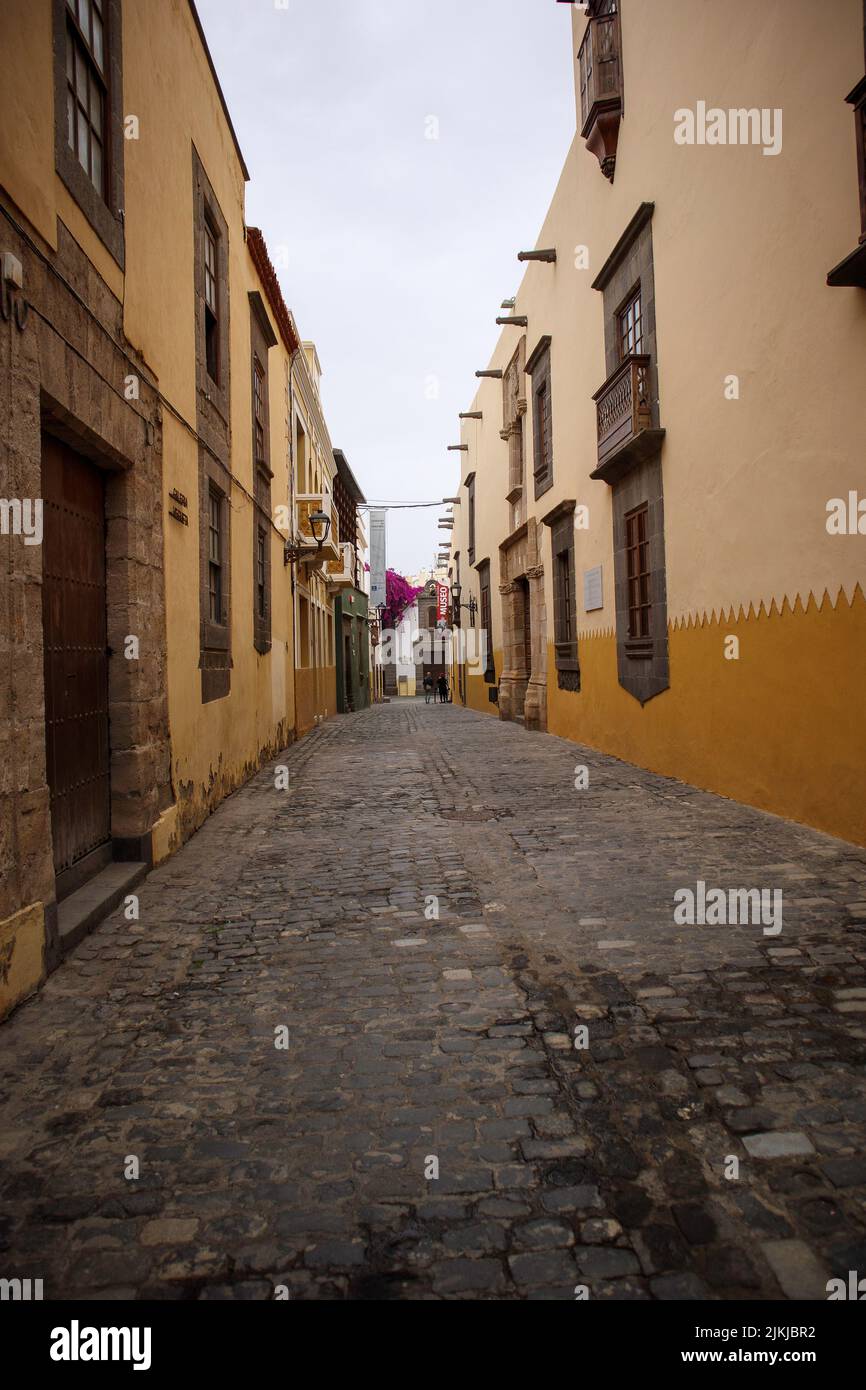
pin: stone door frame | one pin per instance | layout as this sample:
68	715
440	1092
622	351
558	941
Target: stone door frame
522	693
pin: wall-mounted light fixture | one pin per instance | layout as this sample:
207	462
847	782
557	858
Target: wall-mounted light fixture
320	525
471	607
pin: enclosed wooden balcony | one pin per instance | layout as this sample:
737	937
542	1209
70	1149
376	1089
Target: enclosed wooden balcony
307	503
600	73
625	425
340	573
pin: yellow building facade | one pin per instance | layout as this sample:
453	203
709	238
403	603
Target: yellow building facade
155	389
663	498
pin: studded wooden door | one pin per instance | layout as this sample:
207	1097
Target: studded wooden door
76	656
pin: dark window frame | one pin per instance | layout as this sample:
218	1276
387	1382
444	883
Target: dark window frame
643	666
210	243
213	424
564	579
260	454
538	368
638	573
262	339
470	542
629	324
485	620
261	572
215	555
102	207
564	576
89	114
212	348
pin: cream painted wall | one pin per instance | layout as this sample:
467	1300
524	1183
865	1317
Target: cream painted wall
742	246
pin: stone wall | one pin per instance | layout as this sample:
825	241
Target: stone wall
69	372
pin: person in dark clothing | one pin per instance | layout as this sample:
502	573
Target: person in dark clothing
428	688
442	688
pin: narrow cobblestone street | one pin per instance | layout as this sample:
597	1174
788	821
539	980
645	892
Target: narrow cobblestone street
411	1039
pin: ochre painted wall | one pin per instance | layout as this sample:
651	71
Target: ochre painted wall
477	689
315	693
780	728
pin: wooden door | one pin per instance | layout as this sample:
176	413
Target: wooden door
527	628
76	656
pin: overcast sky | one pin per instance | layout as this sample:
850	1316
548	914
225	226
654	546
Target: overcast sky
399	248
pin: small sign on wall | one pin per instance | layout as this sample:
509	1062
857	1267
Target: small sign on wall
592	589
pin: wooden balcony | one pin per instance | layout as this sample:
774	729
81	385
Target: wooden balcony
600	73
307	503
625	429
340	574
852	271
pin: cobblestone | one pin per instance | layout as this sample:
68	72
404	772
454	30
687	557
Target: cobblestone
429	1129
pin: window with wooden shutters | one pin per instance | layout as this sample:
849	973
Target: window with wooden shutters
215	556
262	338
209	272
259	411
561	522
486	616
211	302
638	570
470	544
261	572
538	368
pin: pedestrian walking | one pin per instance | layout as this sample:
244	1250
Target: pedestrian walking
442	688
428	688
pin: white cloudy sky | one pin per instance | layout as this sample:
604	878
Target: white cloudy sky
400	248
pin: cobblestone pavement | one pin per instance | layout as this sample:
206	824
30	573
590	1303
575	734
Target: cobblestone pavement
607	1167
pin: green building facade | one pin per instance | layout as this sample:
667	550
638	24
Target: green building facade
352	650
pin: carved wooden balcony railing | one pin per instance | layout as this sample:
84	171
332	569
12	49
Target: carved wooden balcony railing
625	427
600	72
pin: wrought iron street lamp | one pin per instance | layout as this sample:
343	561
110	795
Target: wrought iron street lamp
320	525
471	607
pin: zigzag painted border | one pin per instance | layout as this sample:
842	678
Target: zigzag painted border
797	607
